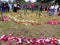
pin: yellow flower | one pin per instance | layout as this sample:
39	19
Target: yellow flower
17	20
41	16
11	17
36	21
26	24
32	21
22	21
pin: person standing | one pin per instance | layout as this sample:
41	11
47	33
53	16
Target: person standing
32	7
10	6
59	11
42	1
40	8
18	6
15	7
25	8
51	10
3	7
7	7
56	9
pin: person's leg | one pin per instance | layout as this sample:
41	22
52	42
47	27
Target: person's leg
15	9
51	12
8	9
25	11
32	9
3	9
55	12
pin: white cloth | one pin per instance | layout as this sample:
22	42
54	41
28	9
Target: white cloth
30	1
56	7
52	7
15	5
10	6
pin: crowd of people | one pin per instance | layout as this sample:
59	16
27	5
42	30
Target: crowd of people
29	41
53	9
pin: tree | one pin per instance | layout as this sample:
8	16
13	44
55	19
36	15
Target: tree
44	0
38	0
58	1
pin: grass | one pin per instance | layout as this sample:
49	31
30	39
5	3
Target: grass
30	31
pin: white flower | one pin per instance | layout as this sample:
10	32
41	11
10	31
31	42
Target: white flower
11	17
28	42
19	40
17	20
58	41
38	40
30	21
2	36
47	40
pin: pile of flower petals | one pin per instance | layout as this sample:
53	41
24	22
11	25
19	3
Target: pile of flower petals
6	19
53	22
34	41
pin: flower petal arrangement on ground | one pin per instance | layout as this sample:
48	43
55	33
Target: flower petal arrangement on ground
28	22
23	21
29	41
53	22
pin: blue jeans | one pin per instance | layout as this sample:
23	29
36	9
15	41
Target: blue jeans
51	12
32	9
3	9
